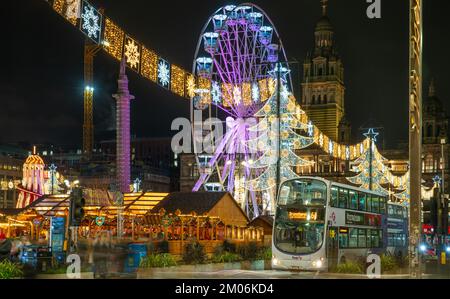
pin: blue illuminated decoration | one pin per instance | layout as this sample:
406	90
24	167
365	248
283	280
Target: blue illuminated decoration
163	73
216	93
91	22
371	134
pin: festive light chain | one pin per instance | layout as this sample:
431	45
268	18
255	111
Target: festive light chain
146	62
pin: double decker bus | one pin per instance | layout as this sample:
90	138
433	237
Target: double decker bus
397	230
319	223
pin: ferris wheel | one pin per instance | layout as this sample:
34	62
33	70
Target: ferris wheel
238	54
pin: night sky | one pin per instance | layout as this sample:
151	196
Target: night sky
41	82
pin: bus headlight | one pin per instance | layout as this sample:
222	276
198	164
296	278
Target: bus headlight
317	264
275	261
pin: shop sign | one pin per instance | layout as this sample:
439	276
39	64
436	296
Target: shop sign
354	218
362	219
100	220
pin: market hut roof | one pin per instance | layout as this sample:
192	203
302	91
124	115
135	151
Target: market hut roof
49	205
188	202
10	212
141	203
264	221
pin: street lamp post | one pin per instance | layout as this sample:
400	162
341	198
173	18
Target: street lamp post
278	68
444	203
443	142
415	135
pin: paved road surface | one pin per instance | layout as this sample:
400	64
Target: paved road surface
268	274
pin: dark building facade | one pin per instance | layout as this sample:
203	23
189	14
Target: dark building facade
11	161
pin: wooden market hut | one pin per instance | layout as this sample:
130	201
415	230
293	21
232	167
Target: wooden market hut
208	217
266	222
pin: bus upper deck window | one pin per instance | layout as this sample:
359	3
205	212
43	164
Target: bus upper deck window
362	201
369	202
353	200
390	210
375	204
343	198
382	205
334	196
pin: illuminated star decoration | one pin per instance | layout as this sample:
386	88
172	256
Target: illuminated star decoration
284	71
437	180
132	53
372	135
91	22
163	73
52	168
137	184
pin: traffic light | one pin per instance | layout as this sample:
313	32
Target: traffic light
77	203
434	213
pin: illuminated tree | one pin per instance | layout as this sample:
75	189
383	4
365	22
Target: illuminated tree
277	144
370	167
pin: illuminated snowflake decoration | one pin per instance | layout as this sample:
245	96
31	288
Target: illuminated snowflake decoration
330	147
91	22
163	73
215	92
132	53
255	92
347	153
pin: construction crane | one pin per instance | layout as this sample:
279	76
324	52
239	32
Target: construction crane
90	50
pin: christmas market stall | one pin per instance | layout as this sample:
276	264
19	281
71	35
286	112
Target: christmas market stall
206	217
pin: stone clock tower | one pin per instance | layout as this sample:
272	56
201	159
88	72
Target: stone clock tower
323	82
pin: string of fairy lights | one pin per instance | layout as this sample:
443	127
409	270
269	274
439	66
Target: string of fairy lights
120	45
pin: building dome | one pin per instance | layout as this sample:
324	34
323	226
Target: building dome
34	160
324	24
432	104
